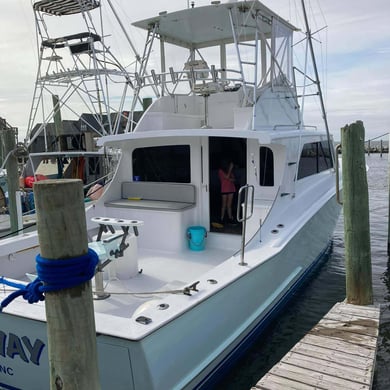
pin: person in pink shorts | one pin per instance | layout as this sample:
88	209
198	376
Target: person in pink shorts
228	189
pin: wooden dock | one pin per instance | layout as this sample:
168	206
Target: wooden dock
338	353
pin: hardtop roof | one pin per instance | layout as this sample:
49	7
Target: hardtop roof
210	25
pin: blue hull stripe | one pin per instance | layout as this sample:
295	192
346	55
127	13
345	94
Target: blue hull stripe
8	387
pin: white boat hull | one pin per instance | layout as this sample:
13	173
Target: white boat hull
190	350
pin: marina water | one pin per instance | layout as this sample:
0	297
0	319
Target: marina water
327	287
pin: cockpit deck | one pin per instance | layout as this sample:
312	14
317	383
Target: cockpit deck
159	275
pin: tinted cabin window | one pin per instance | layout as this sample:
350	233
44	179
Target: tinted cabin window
162	163
266	167
315	158
324	156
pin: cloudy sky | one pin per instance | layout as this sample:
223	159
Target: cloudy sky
355	55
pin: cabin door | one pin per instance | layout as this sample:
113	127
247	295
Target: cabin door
222	152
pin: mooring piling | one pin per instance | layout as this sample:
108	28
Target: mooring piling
388	209
11	164
71	329
356	216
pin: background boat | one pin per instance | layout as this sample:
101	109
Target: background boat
80	92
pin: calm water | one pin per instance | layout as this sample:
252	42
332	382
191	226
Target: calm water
326	288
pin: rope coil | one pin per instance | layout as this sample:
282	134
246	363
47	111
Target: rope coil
54	276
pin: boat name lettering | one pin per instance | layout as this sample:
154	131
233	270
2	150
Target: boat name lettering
11	346
6	370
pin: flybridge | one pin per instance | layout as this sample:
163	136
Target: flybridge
259	55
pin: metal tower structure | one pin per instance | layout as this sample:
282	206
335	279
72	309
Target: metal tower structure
77	73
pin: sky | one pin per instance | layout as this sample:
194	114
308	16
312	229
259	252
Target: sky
354	57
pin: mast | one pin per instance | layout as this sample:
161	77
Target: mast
308	34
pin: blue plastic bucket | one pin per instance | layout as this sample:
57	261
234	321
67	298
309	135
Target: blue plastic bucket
196	237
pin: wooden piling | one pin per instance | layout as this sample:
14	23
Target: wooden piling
356	216
146	102
70	317
11	165
388	208
59	128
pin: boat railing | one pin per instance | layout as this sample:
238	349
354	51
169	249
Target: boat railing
337	169
245	195
298	125
201	81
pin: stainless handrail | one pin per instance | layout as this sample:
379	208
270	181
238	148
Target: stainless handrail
244	190
338	198
184	76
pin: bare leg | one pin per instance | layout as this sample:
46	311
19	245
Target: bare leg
229	203
224	205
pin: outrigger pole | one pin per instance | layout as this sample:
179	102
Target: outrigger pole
137	56
308	33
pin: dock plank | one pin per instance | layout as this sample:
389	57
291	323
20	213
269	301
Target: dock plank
329	367
360	311
365	327
339	357
314	378
275	382
341	345
338	353
343	333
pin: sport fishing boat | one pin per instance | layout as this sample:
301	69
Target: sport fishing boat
189	275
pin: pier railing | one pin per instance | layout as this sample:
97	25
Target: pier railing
381	144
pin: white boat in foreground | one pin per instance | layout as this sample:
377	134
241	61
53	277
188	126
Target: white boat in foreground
191	291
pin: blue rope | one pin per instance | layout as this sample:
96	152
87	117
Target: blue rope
53	276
